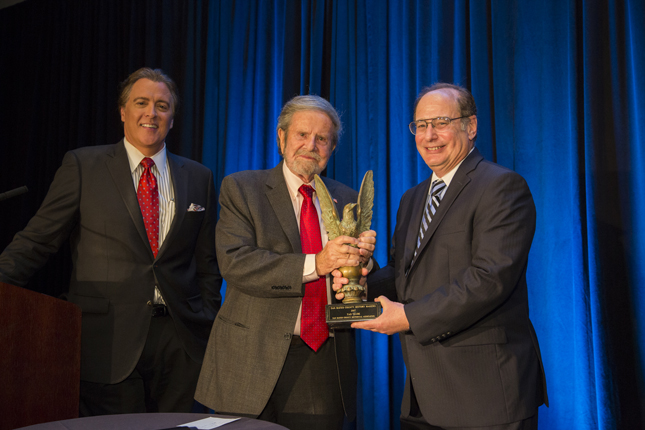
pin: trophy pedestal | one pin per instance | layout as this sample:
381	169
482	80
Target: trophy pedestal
342	315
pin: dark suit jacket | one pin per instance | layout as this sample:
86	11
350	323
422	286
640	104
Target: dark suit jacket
258	248
472	354
92	201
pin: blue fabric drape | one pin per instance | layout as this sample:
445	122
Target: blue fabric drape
559	85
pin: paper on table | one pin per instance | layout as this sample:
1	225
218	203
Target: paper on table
209	423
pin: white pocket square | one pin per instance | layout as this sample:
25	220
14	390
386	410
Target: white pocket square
195	208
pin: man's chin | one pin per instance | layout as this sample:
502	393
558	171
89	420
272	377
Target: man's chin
304	169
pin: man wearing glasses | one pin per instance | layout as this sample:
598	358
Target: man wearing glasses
455	289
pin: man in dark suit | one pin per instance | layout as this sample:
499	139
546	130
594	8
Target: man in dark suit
264	357
456	283
141	223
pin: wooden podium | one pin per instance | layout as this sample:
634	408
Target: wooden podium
40	358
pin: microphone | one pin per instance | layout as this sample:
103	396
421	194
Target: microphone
13	193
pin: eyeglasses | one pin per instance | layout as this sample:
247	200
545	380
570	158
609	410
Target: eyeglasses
438	123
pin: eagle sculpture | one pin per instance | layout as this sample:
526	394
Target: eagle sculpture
348	226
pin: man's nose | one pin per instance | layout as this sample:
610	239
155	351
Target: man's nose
310	144
151	111
430	133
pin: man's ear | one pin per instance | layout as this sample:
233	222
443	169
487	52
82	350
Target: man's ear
472	127
281	138
122	114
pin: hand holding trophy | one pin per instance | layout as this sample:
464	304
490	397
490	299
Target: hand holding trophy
353	309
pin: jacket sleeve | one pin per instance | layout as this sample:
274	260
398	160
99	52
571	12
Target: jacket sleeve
381	281
48	229
254	254
208	275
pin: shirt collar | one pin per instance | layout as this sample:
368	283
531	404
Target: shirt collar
135	156
448	176
293	182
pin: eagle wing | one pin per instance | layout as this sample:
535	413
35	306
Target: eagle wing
328	209
365	203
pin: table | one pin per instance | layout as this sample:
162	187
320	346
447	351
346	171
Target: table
150	421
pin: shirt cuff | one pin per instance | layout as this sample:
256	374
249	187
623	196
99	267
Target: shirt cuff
309	271
370	264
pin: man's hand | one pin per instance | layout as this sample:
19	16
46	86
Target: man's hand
392	320
338	253
366	244
339	281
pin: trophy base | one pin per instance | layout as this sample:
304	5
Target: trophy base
343	315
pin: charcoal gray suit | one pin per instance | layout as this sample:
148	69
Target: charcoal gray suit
472	355
93	202
258	248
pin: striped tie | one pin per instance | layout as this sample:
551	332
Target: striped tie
431	207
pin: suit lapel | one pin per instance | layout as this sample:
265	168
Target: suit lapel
416	208
280	201
457	184
119	168
179	177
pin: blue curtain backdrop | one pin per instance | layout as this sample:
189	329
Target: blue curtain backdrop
559	84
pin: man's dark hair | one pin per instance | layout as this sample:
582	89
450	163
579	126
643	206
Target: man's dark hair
155	75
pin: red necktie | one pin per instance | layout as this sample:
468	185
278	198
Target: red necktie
148	197
313	328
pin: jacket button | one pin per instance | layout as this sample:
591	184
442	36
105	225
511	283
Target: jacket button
287	336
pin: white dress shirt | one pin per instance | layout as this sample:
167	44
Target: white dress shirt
161	171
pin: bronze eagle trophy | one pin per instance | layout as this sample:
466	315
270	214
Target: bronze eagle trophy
348	226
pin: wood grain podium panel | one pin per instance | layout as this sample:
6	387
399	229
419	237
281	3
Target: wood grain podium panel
40	344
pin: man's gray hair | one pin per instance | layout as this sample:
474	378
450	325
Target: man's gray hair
305	103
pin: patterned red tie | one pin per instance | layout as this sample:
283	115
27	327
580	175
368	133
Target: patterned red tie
313	328
148	197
